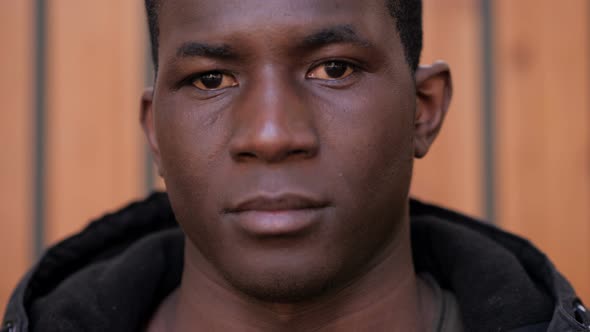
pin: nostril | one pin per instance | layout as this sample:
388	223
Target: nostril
299	152
246	155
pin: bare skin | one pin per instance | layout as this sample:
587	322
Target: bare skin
202	303
285	132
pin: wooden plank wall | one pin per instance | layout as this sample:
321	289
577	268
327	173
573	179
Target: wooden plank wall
16	135
95	77
543	126
451	173
94	151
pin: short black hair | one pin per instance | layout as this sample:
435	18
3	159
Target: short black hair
407	15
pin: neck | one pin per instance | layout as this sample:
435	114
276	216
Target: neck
388	297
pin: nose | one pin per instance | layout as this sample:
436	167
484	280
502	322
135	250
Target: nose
272	123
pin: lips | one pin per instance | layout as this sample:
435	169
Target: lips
279	215
277	203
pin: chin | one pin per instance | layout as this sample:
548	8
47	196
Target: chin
286	278
282	287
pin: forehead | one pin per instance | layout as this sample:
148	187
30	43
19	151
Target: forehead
236	9
206	20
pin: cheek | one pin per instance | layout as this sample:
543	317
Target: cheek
372	144
370	135
188	140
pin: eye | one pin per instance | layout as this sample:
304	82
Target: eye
331	70
214	80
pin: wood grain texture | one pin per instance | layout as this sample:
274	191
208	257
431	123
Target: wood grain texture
16	135
451	173
94	148
543	121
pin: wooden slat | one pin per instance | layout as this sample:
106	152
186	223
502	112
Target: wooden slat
451	173
94	147
16	135
543	124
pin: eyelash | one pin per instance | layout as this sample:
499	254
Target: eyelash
353	64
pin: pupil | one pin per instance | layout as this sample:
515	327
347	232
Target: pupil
335	69
212	80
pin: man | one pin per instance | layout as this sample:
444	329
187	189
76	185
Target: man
285	132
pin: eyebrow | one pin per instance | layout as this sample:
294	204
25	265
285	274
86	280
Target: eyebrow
338	34
197	49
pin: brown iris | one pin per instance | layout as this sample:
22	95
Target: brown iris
332	70
214	80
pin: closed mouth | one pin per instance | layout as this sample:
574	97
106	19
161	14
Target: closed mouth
277	203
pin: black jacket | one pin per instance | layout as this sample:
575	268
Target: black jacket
112	275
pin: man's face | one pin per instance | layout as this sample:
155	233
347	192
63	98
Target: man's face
284	132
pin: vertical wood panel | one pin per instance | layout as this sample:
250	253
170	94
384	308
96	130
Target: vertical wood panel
94	148
16	126
543	121
451	173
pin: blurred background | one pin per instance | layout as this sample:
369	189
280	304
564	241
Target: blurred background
515	149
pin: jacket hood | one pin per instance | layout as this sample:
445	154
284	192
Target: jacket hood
113	274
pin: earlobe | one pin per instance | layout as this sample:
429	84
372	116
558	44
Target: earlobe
433	93
147	123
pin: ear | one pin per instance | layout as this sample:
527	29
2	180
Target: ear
147	123
433	93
